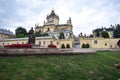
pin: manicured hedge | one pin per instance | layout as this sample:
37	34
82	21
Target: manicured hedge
63	46
52	46
85	45
18	46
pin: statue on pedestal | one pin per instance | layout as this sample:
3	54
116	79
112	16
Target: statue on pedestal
31	35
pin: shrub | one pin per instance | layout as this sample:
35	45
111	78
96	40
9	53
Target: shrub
62	46
67	46
52	46
87	45
18	46
83	45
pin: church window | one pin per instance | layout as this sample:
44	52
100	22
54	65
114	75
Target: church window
57	43
95	42
43	42
39	42
3	44
50	42
48	29
105	44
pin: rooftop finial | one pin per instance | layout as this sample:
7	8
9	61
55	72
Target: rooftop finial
52	12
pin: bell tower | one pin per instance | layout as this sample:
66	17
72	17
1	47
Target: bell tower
52	18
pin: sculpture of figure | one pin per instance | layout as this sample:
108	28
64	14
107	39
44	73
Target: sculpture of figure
31	35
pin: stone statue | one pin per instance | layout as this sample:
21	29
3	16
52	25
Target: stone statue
31	35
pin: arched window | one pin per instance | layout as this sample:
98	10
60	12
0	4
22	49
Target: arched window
48	29
118	43
67	46
95	42
43	42
39	42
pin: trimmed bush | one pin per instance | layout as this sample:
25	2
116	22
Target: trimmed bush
67	46
83	46
87	46
52	46
62	46
18	46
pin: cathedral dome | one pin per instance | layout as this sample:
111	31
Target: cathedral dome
52	15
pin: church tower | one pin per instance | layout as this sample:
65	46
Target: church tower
52	19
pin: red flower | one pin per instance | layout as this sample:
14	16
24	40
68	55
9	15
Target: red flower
18	46
52	46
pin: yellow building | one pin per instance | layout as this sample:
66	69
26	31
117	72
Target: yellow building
53	29
40	41
100	42
4	34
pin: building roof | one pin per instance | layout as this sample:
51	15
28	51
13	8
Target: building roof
4	31
63	25
102	29
59	25
52	15
10	39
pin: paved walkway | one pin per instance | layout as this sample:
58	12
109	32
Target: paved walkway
51	51
90	50
82	51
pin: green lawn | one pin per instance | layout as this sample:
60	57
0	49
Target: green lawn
98	66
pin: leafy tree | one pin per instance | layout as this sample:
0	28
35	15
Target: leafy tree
116	32
105	34
83	45
20	32
61	36
38	34
62	46
20	35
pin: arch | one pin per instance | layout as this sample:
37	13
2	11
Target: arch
67	45
118	43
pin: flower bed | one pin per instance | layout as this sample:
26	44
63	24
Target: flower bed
52	46
18	46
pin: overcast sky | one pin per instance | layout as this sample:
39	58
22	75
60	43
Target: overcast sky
86	15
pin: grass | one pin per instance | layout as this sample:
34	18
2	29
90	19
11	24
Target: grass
98	66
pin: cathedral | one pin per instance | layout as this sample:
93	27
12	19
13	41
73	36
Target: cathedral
53	28
57	34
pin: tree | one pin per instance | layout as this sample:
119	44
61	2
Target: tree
105	34
61	35
116	32
38	34
20	32
20	36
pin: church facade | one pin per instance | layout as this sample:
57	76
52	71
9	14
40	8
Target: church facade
53	28
58	34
